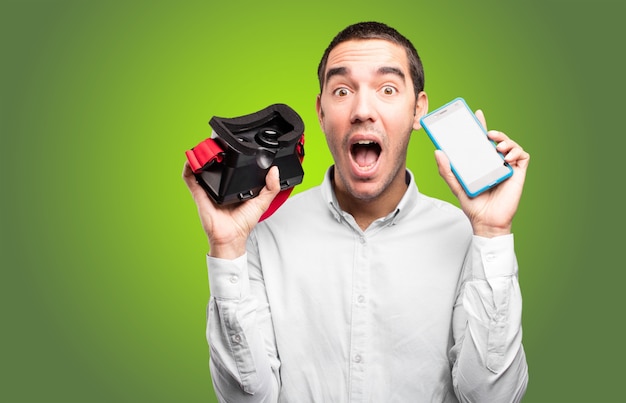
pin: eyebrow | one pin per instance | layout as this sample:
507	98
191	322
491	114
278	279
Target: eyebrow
391	70
335	71
343	71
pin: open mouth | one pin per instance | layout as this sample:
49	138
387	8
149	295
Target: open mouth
365	153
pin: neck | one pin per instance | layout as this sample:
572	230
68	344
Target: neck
366	211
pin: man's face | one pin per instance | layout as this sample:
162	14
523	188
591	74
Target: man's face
367	110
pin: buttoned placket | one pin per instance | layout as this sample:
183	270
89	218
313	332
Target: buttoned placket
360	329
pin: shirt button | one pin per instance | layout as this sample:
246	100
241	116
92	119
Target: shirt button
362	240
357	358
234	278
490	257
361	299
237	338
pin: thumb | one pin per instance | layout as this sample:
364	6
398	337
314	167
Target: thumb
271	188
481	118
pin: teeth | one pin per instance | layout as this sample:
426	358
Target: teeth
365	142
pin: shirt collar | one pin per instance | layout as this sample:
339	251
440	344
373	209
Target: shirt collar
406	204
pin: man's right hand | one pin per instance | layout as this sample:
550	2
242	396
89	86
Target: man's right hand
228	227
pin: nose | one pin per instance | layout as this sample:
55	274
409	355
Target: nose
363	108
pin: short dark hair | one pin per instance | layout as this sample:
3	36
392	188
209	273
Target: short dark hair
376	30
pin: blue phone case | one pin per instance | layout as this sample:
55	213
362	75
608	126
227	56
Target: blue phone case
491	183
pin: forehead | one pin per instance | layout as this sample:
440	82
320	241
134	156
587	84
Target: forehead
368	53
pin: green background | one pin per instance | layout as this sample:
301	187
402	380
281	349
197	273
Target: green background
104	284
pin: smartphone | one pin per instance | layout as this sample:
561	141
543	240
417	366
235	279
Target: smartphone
455	130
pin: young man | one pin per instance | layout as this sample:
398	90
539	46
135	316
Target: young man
363	289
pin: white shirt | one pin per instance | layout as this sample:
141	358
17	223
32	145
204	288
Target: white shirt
414	309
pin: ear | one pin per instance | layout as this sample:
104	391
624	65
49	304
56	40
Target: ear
421	108
320	112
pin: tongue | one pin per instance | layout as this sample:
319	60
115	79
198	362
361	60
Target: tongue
365	156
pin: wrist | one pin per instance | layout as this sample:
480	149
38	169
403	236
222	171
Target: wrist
230	250
489	231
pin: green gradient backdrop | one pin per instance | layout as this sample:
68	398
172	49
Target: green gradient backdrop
103	286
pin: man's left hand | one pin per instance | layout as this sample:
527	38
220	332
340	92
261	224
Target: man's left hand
491	213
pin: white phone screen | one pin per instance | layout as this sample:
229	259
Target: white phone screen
454	129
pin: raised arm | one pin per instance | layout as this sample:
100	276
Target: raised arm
488	356
244	363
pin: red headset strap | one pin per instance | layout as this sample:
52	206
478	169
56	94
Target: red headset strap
209	152
205	153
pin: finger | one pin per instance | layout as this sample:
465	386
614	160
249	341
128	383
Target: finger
186	170
504	146
270	190
446	172
518	157
188	176
497	136
509	146
192	183
513	154
199	195
524	160
272	180
481	118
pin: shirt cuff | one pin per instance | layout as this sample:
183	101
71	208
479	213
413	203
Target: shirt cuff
493	257
228	279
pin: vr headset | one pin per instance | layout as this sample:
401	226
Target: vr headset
231	165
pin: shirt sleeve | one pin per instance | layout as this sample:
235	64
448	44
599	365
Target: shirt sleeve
243	359
489	363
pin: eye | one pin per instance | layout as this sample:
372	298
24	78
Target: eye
341	92
388	90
